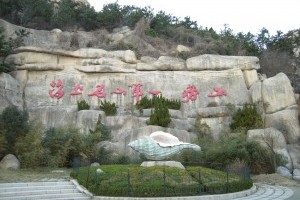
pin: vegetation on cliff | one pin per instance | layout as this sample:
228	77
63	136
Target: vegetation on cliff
159	29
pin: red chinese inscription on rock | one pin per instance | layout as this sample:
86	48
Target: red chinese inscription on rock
77	90
137	91
120	91
56	90
218	92
190	94
99	92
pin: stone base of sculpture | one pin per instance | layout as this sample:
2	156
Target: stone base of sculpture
162	163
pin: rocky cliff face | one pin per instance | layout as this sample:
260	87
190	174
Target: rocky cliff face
49	81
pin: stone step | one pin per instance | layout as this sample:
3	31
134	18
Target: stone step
36	192
41	190
54	183
48	196
43	187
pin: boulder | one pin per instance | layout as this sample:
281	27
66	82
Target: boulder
286	121
23	58
218	62
250	77
294	151
148	59
41	67
99	171
296	174
268	137
10	92
271	138
277	93
127	56
10	162
181	124
181	48
283	171
163	63
87	120
218	125
175	114
220	111
255	92
95	164
103	69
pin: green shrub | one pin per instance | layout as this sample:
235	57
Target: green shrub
91	141
29	148
5	50
109	108
160	116
234	147
145	102
3	145
83	105
63	146
246	118
14	123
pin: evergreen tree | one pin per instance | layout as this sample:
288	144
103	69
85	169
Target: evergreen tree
161	115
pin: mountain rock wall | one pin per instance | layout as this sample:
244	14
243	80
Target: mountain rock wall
49	81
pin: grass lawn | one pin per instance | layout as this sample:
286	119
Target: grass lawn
133	180
31	175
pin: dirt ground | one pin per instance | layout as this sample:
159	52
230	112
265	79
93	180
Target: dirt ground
275	179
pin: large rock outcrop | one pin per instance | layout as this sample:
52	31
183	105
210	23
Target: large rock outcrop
10	92
50	79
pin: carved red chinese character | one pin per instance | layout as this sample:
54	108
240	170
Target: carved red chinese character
120	91
218	92
137	91
77	89
99	92
56	90
190	94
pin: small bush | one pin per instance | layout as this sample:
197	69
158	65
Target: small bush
3	145
62	145
91	141
232	148
83	105
29	148
14	123
160	116
145	103
109	108
246	118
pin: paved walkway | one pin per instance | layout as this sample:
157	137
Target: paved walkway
269	192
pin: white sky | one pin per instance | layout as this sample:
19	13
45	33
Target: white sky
240	15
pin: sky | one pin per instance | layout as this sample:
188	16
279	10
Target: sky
240	15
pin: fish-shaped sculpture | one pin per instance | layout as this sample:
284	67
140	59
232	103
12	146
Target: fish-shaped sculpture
160	146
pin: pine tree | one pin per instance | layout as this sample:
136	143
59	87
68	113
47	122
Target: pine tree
161	115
